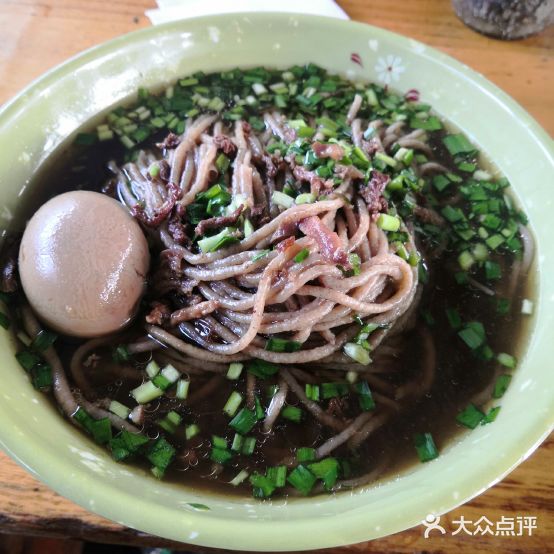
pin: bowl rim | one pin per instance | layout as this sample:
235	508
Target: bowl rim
44	467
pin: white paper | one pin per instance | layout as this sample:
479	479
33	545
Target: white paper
172	10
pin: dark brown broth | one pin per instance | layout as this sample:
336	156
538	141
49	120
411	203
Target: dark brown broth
459	374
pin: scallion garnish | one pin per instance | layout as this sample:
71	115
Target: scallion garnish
327	470
263	487
234	371
261	368
507	360
277	475
233	403
470	417
501	385
276	344
119	409
491	415
302	479
425	447
357	352
292	413
365	398
244	421
305	455
302	255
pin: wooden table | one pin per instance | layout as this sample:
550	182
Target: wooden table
38	34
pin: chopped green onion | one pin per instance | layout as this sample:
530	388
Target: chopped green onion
332	390
305	455
248	228
465	260
27	360
292	413
261	254
302	255
248	446
261	368
275	344
220	240
425	447
220	456
387	160
277	475
312	392
507	360
239	478
85	139
219	442
365	398
305	198
41	376
146	392
470	417
152	369
501	385
244	421
357	352
119	409
4	320
121	354
191	431
260	413
388	222
458	144
282	199
182	390
233	403
236	445
302	479
491	415
263	487
222	163
234	371
327	470
473	334
43	341
454	318
492	270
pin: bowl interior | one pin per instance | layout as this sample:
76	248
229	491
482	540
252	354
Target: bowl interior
48	112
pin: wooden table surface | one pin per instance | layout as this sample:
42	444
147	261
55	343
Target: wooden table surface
38	34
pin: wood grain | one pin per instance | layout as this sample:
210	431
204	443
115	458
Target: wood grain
38	34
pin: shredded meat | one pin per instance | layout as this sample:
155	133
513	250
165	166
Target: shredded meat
317	184
329	243
372	146
337	408
177	229
165	170
286	229
372	193
333	151
159	313
270	167
217	222
171	141
286	243
259	215
344	171
138	211
226	145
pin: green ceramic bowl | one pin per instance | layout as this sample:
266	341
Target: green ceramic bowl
48	112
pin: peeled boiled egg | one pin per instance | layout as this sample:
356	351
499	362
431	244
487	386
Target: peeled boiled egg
83	262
